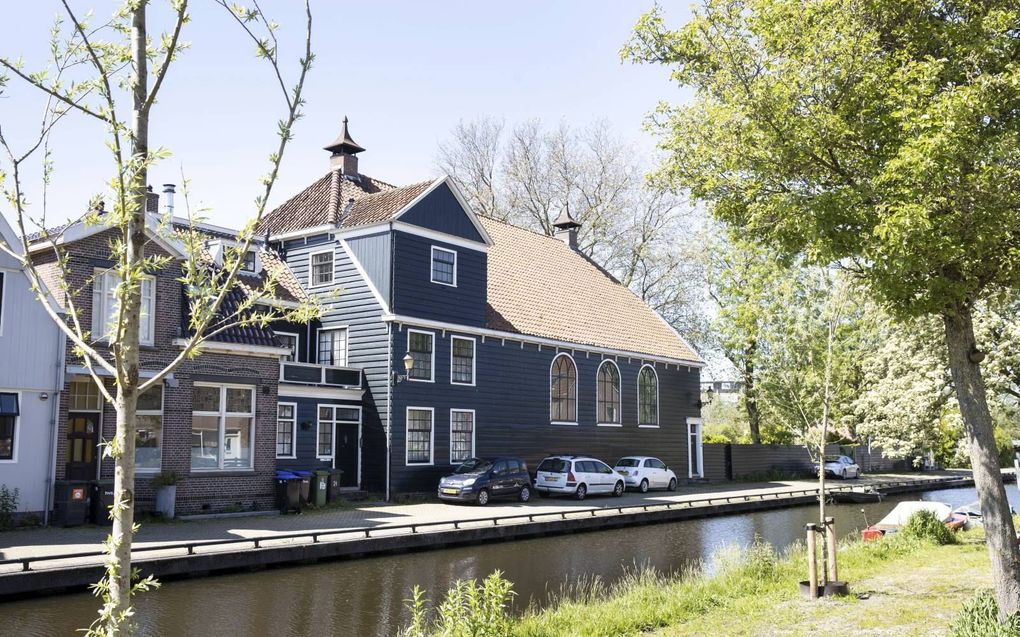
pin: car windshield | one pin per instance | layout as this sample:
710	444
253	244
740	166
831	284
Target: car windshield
628	462
474	465
833	458
554	465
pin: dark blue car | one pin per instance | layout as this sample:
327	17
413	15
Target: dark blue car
481	479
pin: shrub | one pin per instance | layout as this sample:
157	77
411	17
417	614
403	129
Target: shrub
469	610
980	618
8	506
926	526
165	479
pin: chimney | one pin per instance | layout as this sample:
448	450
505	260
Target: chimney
566	229
343	154
151	200
168	199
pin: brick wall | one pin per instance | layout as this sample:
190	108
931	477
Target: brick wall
196	491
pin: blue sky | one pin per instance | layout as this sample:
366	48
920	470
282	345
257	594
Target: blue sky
404	72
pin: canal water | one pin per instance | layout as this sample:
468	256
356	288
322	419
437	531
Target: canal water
366	597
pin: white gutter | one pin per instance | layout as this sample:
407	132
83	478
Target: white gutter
235	348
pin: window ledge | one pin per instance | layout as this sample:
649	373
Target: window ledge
648	426
563	422
609	424
420	380
220	473
286	457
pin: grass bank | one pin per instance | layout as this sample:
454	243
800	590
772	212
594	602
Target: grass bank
900	586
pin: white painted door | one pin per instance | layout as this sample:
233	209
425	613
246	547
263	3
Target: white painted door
695	458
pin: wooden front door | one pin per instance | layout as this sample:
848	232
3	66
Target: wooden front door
82	441
347	446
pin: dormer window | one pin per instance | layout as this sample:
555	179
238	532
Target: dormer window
320	265
249	262
444	266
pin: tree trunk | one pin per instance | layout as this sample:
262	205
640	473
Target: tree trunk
751	394
984	458
127	346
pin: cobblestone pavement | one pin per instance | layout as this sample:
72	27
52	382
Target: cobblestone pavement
54	541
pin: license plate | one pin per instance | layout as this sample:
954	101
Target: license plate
622	472
450	491
552	478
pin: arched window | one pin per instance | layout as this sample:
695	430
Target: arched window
563	390
608	395
648	396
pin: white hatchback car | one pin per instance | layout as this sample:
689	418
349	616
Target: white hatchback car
577	476
646	472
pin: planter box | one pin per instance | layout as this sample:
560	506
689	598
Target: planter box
166	497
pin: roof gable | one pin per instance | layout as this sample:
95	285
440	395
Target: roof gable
322	203
539	286
439	209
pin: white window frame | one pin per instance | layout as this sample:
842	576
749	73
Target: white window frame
17	427
293	430
432	260
474	360
619	378
474	429
577	397
100	278
4	275
656	373
432	374
254	262
86	410
701	456
347	344
297	345
432	437
332	268
222	414
162	421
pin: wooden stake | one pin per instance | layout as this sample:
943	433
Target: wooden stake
812	556
830	541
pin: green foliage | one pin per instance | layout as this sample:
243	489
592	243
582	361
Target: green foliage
925	526
979	618
8	506
469	610
165	479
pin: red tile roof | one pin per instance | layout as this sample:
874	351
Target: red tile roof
322	203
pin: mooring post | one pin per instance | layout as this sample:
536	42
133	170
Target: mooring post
812	558
830	541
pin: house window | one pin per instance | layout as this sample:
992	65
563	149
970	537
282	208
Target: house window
9	412
563	390
286	429
290	341
694	450
462	435
421	347
608	394
444	266
321	267
249	261
222	426
419	435
462	360
149	430
104	306
333	346
84	396
648	396
329	417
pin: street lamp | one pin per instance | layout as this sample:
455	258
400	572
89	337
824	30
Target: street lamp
408	366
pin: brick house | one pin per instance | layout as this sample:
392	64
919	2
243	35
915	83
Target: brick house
212	422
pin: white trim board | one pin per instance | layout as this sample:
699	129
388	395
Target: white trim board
379	298
235	348
287	390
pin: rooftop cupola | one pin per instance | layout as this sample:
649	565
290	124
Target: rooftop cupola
566	229
344	154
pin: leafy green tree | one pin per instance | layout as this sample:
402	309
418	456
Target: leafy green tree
880	135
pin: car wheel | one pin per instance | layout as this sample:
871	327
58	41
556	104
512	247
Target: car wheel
618	490
483	497
672	484
581	492
542	494
525	494
842	476
644	486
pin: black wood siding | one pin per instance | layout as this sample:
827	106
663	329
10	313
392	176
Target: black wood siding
414	294
440	211
511	403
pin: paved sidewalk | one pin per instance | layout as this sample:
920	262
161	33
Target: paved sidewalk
56	541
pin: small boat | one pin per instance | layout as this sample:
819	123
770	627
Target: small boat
972	512
902	512
856	496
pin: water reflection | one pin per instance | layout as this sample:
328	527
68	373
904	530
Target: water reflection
366	597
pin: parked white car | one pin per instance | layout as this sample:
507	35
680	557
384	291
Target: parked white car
645	472
578	476
841	467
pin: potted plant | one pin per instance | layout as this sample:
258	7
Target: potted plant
165	485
